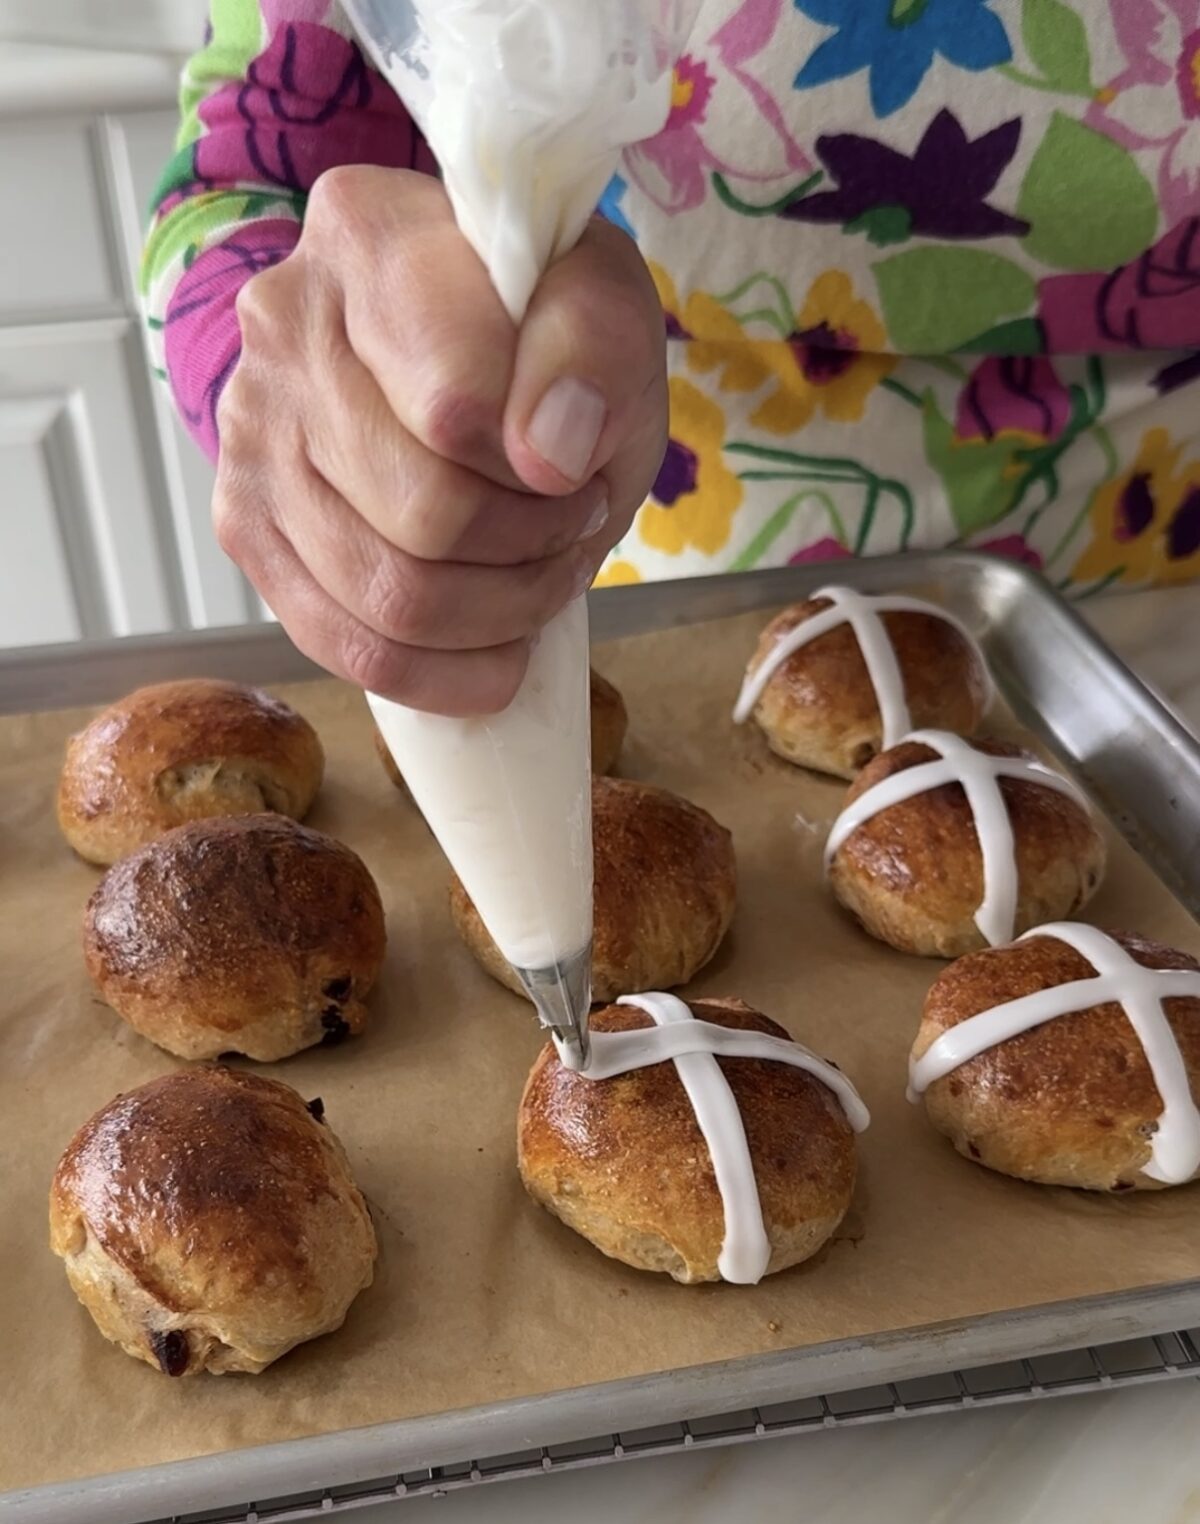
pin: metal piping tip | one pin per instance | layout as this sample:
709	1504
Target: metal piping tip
562	994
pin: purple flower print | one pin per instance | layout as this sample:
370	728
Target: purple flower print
1177	373
203	339
1153	104
1151	303
677	475
715	83
308	102
1018	394
940	192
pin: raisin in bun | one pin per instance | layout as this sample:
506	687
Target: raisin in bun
209	1221
821	709
665	892
183	751
256	936
624	1162
1072	1100
609	724
914	876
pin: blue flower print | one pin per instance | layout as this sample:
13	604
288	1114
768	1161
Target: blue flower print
897	40
610	205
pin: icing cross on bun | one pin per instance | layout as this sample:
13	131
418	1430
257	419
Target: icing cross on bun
1102	1099
718	1171
946	845
846	675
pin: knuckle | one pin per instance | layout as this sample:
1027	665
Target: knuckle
260	303
442	512
236	409
230	522
337	200
372	663
449	418
396	601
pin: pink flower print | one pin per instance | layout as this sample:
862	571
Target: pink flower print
691	91
203	338
276	12
1153	302
1153	104
308	102
714	88
1014	547
827	549
1013	394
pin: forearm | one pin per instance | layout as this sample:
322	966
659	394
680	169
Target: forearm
269	104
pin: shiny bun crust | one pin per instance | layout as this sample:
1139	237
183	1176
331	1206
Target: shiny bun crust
624	1163
183	751
665	892
1071	1102
208	1221
254	936
913	875
820	711
609	724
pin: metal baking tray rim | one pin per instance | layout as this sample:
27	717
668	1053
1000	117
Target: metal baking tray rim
558	1418
1137	758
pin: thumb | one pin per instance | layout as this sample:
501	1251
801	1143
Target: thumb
591	348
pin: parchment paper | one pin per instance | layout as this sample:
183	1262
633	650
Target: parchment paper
480	1296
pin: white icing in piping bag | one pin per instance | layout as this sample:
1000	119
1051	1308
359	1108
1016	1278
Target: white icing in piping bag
693	1046
1175	1146
979	775
862	613
527	105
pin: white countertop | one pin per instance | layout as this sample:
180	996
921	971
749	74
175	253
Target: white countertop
1108	1458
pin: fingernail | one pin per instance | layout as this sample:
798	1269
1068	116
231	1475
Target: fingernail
597	521
566	425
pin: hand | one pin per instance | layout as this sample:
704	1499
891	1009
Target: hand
414	486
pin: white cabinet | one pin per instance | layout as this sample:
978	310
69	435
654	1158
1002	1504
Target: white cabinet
104	501
75	399
56	255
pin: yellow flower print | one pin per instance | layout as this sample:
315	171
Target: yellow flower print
696	495
617	573
1146	523
718	341
830	362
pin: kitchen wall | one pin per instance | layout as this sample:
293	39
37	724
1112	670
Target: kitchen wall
104	502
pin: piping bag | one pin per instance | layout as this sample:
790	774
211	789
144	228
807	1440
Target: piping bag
527	105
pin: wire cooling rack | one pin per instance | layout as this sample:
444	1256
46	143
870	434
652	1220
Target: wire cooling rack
1135	1362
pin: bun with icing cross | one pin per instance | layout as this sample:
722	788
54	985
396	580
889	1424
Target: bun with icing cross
1071	1057
701	1141
665	892
946	845
842	677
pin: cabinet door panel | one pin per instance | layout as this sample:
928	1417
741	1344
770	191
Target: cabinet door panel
57	255
82	499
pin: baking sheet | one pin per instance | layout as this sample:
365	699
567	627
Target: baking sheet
480	1297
